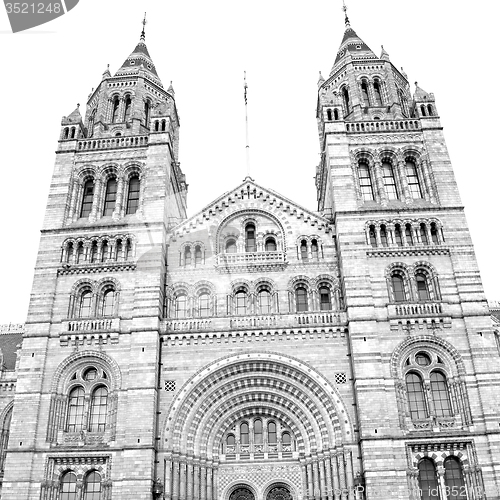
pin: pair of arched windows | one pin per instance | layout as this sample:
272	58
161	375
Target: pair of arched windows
332	115
202	305
193	256
425	286
270	244
426	111
86	304
69	133
376	97
160	126
309	249
429	483
302	298
115	109
92	486
264	302
110	197
88	402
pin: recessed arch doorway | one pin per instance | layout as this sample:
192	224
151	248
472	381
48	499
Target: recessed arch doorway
242	493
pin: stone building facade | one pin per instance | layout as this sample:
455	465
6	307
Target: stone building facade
256	350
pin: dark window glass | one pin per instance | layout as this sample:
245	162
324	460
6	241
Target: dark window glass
325	300
116	105
105	252
427	480
68	487
93	252
231	441
88	196
301	299
347	104
108	303
85	306
80	253
110	199
265	302
329	114
389	181
204	301
286	438
257	431
422	359
383	236
434	234
416	399
69	254
128	107
423	234
197	255
440	394
231	246
76	405
422	287
93	487
398	236
244	436
373	237
378	97
364	92
146	113
303	250
250	238
187	256
270	245
454	479
398	288
314	249
241	303
181	306
365	182
413	180
272	437
409	234
133	195
98	410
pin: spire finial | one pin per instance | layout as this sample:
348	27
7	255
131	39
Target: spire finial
143	32
344	8
247	147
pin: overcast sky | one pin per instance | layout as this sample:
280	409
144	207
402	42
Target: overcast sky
204	47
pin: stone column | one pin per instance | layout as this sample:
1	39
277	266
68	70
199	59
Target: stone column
404	182
327	467
380	194
342	476
317	491
303	472
335	476
209	484
215	486
168	479
182	480
119	198
96	199
310	486
349	474
322	477
196	481
203	482
189	480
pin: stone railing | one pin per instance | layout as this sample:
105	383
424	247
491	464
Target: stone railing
113	142
244	258
417	309
91	325
383	126
287	320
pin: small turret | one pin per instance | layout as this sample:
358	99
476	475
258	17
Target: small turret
72	125
424	103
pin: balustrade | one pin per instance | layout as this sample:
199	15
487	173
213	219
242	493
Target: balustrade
113	142
383	126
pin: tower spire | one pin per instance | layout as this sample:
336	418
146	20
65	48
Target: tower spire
344	8
247	147
143	32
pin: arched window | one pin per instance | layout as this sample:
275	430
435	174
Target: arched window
250	245
110	198
264	302
98	410
365	182
383	236
181	306
68	487
128	108
133	195
347	104
398	288
240	303
430	110
73	132
76	407
163	125
336	114
413	180
204	305
66	132
329	115
187	256
128	249
80	253
434	234
119	250
427	480
422	110
422	286
257	431
231	246
286	439
325	298
389	181
440	394
85	305
373	236
314	249
230	440
398	235
364	93
303	250
70	252
4	438
409	234
198	256
423	234
157	126
244	433
377	92
104	251
454	479
108	303
270	245
272	436
93	486
116	106
93	252
147	107
404	103
416	398
88	196
301	299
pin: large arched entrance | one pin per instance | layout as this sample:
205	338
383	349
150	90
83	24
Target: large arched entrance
242	493
279	492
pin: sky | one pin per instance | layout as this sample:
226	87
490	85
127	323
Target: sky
204	48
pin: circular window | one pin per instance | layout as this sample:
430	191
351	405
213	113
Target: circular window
90	374
422	359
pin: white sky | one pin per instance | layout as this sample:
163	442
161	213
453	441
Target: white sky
449	47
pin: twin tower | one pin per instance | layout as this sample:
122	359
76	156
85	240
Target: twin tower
256	350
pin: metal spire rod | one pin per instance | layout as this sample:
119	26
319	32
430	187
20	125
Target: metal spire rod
143	33
245	86
344	8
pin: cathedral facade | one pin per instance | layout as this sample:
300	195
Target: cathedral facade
257	350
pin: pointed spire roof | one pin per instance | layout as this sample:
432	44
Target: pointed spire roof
75	116
140	59
352	45
420	93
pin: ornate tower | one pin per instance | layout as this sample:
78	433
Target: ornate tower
424	362
87	383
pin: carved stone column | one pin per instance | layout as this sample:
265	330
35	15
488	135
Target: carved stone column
209	484
335	476
317	490
168	479
96	200
310	484
380	194
322	477
182	479
119	198
328	470
203	482
196	481
349	474
175	480
189	480
404	182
